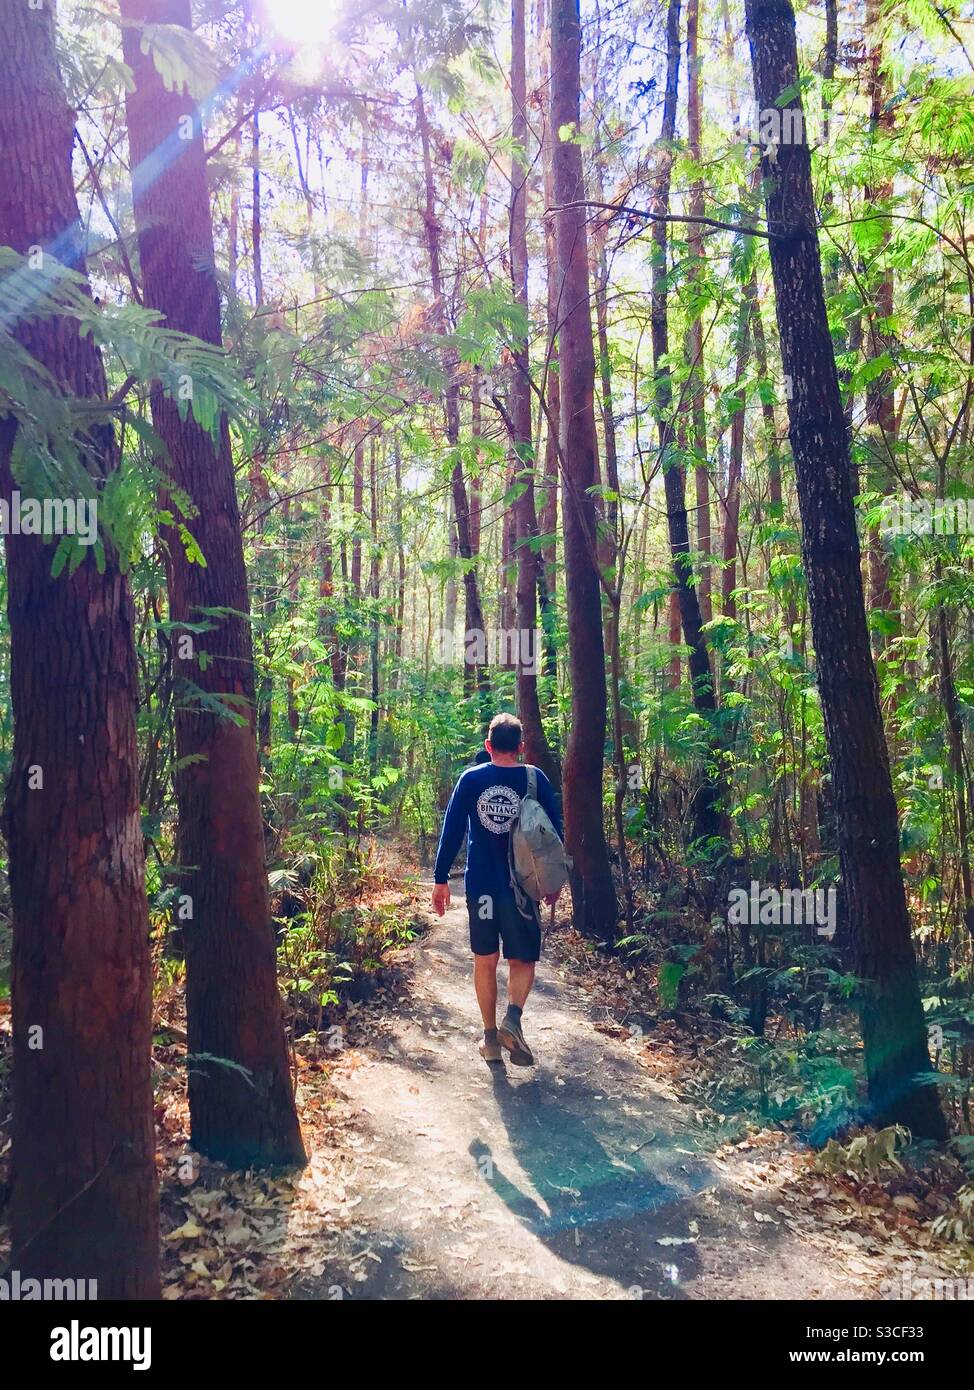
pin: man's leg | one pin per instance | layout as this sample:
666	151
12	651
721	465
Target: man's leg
484	943
519	981
485	983
522	947
520	978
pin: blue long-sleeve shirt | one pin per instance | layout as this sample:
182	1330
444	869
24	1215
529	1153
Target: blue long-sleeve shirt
485	804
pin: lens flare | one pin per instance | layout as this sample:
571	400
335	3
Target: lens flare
303	23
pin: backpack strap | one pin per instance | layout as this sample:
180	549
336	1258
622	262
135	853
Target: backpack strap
520	897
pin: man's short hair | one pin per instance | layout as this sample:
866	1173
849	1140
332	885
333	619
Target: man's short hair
505	734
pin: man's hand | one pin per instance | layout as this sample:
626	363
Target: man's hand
441	898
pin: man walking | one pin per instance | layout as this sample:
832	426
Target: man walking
485	803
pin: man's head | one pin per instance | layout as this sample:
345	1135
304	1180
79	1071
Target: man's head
504	735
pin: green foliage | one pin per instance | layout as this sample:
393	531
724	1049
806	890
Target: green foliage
59	448
181	57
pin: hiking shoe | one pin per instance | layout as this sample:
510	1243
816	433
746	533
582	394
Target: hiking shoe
509	1035
490	1048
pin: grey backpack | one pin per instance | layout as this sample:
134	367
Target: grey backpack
536	856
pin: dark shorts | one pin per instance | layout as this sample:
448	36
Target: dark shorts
520	936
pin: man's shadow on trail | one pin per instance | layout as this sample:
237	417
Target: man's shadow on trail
606	1214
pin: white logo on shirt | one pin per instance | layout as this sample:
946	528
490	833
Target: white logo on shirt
497	809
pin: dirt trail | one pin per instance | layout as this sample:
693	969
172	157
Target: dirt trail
577	1179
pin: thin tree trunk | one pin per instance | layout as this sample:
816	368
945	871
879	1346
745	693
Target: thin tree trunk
697	385
735	468
610	540
880	406
955	744
286	579
548	506
476	484
450	589
474	611
548	516
536	748
255	226
267	563
767	406
358	499
709	823
233	232
507	577
374	560
400	563
267	584
674	636
327	627
609	555
325	562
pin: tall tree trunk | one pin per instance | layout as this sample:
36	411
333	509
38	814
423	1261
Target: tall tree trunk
450	588
233	231
548	507
255	225
83	1179
610	541
354	644
880	406
865	808
674	637
709	823
267	586
476	483
955	745
735	469
267	568
374	585
611	557
358	499
474	611
292	586
775	495
327	622
767	405
507	577
232	1003
526	524
476	502
324	561
593	892
697	387
400	612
